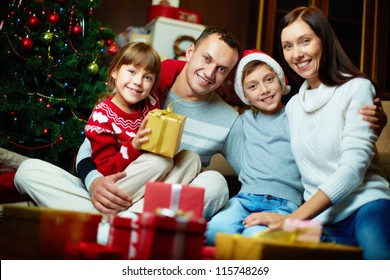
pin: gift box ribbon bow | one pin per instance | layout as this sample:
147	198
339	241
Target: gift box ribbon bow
173	210
167	112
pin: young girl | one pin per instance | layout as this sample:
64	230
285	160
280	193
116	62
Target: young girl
332	145
116	127
269	176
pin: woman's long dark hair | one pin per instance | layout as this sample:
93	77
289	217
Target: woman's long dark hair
335	66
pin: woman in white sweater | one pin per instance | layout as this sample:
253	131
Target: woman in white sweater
332	145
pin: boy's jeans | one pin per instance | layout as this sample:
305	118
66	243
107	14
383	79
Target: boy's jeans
230	218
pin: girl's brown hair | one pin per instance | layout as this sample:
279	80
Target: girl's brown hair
139	54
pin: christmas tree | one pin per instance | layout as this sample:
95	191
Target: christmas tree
53	58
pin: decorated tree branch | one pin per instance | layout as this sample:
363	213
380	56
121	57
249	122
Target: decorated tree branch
53	68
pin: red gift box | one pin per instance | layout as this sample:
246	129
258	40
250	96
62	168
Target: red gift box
124	234
155	11
92	251
187	15
208	253
170	238
174	197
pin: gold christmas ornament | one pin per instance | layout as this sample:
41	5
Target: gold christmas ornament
93	68
47	37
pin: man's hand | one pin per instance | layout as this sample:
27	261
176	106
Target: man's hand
107	197
375	115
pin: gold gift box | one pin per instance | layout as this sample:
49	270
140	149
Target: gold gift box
280	246
43	233
167	129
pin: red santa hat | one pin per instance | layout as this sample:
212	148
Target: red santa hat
251	55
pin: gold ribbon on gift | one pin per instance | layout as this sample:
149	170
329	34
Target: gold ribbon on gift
168	112
165	115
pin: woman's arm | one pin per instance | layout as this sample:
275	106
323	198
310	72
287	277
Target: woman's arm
318	203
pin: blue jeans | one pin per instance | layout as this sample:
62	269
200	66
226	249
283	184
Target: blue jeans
230	218
368	227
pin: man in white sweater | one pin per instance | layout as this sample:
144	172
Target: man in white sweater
211	127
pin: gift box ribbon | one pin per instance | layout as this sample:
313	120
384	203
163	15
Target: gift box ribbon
174	210
181	219
175	196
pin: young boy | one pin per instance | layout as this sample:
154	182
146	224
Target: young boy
270	178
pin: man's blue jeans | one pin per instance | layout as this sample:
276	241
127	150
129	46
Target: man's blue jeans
230	218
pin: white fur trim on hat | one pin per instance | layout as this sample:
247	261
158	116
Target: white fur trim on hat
252	55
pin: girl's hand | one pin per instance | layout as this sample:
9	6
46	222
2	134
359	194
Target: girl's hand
141	136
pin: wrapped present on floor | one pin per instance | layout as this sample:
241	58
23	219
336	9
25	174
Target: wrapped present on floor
188	199
170	237
225	245
42	233
303	230
280	245
92	251
208	253
124	234
167	129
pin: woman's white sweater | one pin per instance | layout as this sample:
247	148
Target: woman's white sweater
334	147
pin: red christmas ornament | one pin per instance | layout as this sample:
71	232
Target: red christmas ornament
53	18
77	29
33	22
26	44
113	49
108	42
